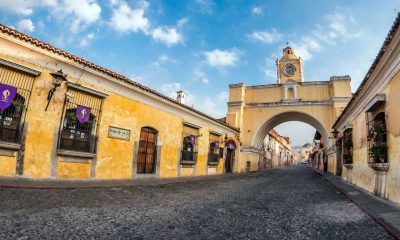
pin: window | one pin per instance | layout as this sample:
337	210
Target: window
213	152
147	150
15	89
377	138
190	144
80	122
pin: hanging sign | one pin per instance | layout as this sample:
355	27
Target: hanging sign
231	144
82	113
7	94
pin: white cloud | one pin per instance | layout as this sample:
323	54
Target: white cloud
266	36
222	58
87	39
335	28
269	73
182	22
25	25
125	19
205	6
205	80
170	89
257	10
83	12
166	35
223	96
307	47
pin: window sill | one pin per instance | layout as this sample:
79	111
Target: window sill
188	162
76	154
10	145
213	163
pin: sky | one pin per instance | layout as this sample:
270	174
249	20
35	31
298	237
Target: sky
202	46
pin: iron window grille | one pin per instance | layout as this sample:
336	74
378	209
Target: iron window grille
189	150
213	152
147	152
74	135
377	137
12	119
347	142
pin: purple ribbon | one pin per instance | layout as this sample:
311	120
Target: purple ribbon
82	113
231	144
7	95
216	145
192	139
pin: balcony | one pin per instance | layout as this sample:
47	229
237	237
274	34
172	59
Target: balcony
188	157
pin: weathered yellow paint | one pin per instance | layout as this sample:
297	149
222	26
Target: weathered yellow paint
114	157
7	165
73	170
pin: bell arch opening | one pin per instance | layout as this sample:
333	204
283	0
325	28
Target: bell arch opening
274	121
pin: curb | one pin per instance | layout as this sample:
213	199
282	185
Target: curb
27	183
393	232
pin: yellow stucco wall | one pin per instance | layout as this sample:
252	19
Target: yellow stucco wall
114	156
362	174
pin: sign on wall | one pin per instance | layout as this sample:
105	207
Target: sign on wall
119	133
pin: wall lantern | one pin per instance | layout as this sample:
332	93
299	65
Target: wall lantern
58	78
335	133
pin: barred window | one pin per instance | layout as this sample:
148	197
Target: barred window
213	155
80	122
190	144
12	116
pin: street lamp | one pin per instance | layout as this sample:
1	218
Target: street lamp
335	133
58	78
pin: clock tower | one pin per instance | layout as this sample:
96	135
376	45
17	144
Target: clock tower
289	67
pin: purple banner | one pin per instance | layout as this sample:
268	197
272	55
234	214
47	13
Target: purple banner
7	95
82	113
230	144
216	145
193	139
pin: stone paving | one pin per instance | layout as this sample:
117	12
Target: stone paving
290	203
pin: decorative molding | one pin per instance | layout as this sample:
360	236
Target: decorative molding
236	85
86	89
22	68
378	98
288	103
315	83
191	125
251	149
216	133
236	104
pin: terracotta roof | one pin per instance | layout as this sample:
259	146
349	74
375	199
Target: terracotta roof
387	41
50	48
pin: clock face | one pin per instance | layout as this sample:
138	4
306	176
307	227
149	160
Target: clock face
289	70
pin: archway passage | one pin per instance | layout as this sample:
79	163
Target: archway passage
275	120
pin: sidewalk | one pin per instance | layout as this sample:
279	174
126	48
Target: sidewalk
385	213
21	182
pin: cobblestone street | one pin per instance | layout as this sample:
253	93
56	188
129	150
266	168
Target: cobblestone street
290	203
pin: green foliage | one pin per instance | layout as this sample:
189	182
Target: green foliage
348	143
348	159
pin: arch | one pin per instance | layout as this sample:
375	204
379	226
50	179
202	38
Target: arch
262	132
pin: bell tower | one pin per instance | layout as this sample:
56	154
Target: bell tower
289	67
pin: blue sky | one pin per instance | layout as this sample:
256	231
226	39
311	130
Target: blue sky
201	46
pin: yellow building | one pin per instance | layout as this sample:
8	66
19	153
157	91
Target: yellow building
277	151
369	133
256	110
64	117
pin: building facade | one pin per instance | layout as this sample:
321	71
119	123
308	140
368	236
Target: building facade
368	137
256	110
66	118
277	151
